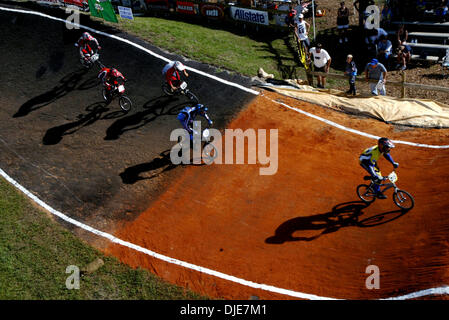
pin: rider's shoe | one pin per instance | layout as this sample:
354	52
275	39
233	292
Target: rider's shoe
380	195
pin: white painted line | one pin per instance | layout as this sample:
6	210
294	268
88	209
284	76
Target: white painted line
134	45
432	291
361	133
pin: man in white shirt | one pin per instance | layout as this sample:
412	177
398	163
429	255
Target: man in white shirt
301	30
321	62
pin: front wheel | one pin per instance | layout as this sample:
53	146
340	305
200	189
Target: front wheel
167	90
125	103
366	193
403	199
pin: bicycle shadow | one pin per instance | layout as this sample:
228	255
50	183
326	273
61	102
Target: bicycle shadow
96	111
342	215
133	174
154	108
67	84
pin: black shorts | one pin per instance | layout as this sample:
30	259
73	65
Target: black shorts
319	69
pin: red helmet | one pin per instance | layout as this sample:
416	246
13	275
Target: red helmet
115	72
86	36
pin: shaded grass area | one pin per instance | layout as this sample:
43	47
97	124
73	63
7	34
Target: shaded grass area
35	252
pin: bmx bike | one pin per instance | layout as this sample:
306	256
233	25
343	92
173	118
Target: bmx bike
89	60
182	90
401	198
209	151
117	91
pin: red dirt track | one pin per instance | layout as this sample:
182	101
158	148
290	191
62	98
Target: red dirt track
304	228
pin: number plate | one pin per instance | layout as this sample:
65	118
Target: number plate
183	85
393	177
121	88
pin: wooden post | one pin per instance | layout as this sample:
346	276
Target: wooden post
403	91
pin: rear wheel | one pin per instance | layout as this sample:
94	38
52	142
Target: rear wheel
209	153
403	199
366	193
125	103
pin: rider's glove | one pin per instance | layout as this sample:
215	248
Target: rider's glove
210	122
395	165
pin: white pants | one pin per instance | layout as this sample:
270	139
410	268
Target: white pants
377	88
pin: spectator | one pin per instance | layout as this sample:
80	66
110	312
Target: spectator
421	6
290	18
404	53
374	36
376	71
441	11
385	16
401	35
301	30
360	6
321	63
384	48
342	21
351	72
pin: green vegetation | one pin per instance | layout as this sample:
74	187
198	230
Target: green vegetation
35	252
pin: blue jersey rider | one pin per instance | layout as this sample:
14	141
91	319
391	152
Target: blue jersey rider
368	160
188	114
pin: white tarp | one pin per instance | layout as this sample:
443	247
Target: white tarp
411	112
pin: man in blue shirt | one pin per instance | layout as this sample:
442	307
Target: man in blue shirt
376	71
384	49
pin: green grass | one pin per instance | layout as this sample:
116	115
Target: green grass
35	252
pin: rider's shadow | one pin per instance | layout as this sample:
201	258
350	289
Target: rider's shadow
67	84
152	110
154	168
342	215
96	112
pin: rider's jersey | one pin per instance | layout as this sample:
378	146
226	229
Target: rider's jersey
172	75
108	78
85	44
373	154
188	114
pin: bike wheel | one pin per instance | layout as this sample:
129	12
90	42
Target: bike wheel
167	90
191	96
105	94
403	199
209	153
366	193
125	103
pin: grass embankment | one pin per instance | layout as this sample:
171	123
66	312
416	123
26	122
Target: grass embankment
243	54
35	252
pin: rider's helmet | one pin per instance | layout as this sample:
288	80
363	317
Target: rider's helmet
385	144
114	72
86	36
179	66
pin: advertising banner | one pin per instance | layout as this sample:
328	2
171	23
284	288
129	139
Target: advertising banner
185	7
125	13
248	15
102	9
157	4
212	11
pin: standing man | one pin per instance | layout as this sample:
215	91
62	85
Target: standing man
321	62
301	30
342	22
376	71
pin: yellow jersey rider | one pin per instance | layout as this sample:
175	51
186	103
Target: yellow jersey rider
368	160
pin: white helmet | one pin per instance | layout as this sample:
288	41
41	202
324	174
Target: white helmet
86	35
179	66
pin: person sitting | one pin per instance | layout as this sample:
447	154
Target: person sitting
442	11
404	54
401	35
385	16
384	48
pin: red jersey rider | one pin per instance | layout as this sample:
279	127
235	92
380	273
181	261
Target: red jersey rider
110	78
172	75
85	45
